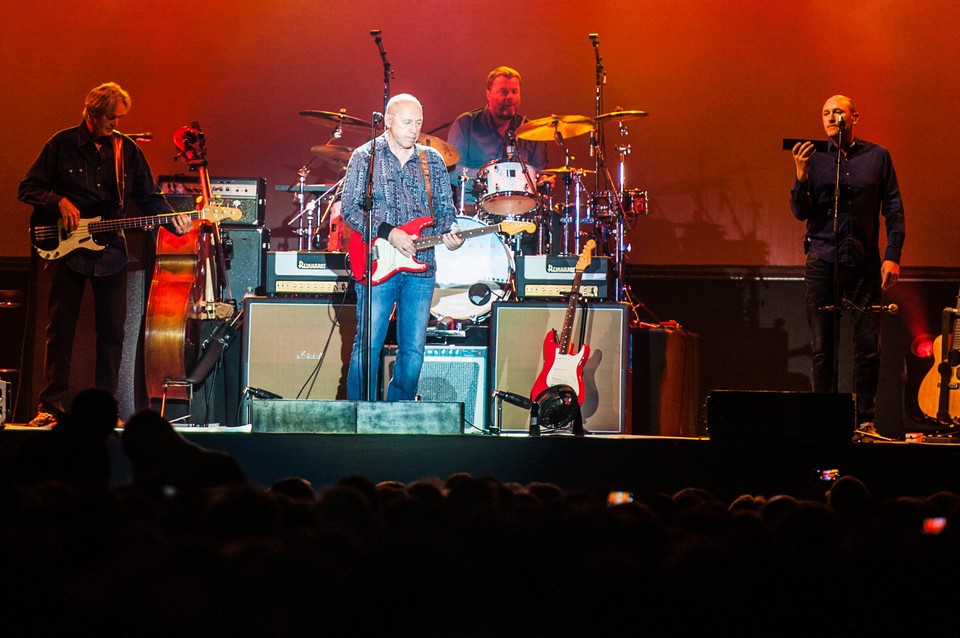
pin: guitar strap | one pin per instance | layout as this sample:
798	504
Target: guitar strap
118	167
425	169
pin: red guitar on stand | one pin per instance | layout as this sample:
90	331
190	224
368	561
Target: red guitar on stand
561	365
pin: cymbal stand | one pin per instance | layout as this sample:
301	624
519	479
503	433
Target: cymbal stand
303	234
462	199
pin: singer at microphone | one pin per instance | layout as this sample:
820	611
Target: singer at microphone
846	267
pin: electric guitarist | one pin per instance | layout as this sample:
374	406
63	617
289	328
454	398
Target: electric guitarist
88	171
399	181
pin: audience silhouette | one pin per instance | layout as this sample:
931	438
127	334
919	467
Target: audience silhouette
189	546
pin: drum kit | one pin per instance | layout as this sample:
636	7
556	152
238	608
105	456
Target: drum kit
566	211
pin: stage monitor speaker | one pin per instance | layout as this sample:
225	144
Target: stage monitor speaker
298	348
246	248
785	416
517	341
249	194
450	374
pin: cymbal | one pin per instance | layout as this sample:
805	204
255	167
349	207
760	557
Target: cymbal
622	115
449	152
333	119
333	155
566	169
545	129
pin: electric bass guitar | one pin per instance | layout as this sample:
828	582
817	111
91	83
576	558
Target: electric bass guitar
561	365
939	394
388	261
55	242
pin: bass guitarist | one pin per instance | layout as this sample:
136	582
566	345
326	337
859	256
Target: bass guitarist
90	170
409	181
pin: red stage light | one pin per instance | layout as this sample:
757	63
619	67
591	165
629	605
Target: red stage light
922	346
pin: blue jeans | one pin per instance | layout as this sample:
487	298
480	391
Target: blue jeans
412	296
861	285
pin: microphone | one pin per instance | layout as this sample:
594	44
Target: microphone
377	117
140	137
261	394
841	122
889	309
514	399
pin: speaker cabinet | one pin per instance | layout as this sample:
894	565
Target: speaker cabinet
246	250
782	416
298	348
517	350
449	374
249	194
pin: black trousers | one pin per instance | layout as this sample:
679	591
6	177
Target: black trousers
861	286
63	309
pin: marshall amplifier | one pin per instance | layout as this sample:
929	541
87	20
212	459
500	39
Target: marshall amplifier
306	273
246	193
545	277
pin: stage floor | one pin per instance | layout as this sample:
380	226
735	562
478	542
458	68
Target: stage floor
595	463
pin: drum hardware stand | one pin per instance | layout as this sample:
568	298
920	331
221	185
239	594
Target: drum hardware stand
596	136
462	199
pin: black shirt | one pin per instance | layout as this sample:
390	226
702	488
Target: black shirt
71	165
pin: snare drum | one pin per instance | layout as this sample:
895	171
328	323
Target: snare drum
483	259
507	188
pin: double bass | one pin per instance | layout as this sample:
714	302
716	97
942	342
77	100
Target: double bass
186	286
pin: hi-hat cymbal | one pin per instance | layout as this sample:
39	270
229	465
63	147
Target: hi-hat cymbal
622	115
449	152
328	118
565	169
545	129
337	156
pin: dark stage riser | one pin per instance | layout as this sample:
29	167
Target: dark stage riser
593	463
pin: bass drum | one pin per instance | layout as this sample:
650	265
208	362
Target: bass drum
472	277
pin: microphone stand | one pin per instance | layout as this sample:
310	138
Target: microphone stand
837	307
596	136
387	70
367	206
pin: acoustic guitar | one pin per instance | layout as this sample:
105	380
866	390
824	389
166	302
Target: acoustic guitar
939	394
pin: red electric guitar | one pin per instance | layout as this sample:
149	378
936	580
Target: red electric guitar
561	365
388	261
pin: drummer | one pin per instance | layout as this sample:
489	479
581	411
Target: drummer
484	134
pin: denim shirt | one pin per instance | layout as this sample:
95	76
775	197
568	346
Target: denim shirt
399	193
868	189
70	165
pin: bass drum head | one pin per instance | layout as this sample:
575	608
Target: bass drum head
472	277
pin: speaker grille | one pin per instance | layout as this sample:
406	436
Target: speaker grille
517	338
450	374
298	348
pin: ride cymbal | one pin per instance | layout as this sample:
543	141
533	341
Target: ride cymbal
565	169
449	152
328	118
545	129
624	116
332	155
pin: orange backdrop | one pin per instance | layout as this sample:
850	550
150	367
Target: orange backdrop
723	82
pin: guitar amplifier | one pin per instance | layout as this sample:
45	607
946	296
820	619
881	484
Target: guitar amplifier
249	194
546	277
307	273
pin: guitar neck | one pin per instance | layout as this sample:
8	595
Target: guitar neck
108	225
564	342
434	240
